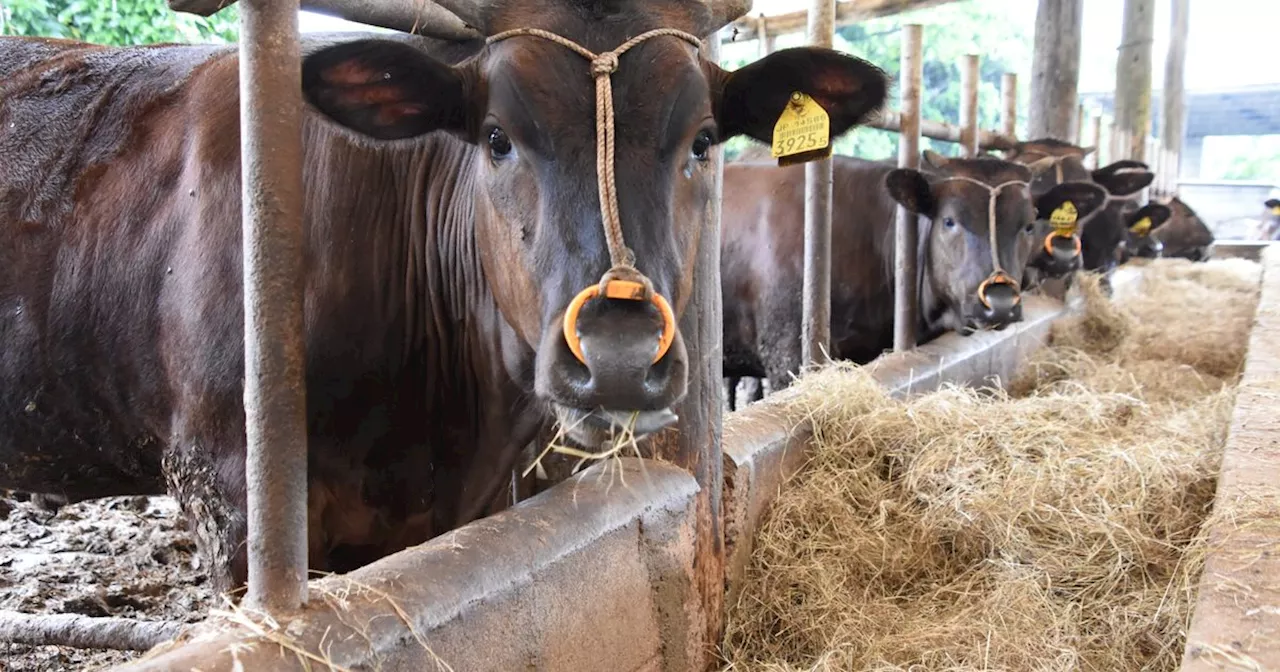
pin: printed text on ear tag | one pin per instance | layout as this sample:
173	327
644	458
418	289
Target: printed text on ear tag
1141	227
1276	211
1064	217
802	132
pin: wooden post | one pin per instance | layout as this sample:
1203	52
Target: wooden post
1055	68
1174	120
1095	141
1133	75
271	221
764	44
1077	128
1009	111
969	83
905	228
816	325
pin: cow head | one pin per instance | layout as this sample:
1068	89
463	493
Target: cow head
527	106
1059	254
1139	225
974	264
1106	233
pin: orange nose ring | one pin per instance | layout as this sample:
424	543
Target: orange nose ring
618	289
998	278
1048	241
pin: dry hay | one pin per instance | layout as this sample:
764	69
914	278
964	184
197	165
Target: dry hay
1054	527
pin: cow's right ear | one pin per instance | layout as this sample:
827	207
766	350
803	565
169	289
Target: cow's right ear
911	190
383	89
1272	203
1084	197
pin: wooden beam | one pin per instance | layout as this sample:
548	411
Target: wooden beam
970	69
905	261
419	17
1009	109
1174	119
1133	76
891	120
847	12
1055	69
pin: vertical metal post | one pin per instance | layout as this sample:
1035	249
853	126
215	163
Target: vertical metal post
1009	114
969	83
274	390
905	273
1096	141
816	326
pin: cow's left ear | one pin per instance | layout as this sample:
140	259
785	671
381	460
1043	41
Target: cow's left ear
1148	218
748	101
384	89
1085	197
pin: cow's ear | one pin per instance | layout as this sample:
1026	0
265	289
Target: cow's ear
1148	218
1272	203
1123	180
749	100
384	89
1084	197
910	189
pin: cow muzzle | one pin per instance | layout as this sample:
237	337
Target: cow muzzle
999	304
1061	256
617	364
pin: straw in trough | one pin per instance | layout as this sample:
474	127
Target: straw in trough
1055	526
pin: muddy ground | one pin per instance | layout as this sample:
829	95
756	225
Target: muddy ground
129	557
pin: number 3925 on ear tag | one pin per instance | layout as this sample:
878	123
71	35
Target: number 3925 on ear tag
802	132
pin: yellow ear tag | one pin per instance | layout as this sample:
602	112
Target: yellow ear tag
1141	227
802	132
1064	218
1276	211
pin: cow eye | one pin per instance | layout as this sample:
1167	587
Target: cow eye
948	222
702	145
499	143
1031	228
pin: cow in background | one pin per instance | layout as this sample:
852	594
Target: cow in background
970	267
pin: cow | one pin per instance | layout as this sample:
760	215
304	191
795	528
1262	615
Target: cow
453	215
1185	235
1102	233
962	285
1269	226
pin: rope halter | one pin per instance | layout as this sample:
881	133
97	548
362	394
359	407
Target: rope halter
623	280
998	275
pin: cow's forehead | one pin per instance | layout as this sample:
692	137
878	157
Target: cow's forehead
598	25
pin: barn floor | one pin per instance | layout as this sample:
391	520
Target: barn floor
121	556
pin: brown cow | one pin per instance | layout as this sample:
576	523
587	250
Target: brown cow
1185	235
447	227
1104	232
762	248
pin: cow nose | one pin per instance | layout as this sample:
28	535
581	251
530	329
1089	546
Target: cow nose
999	303
618	355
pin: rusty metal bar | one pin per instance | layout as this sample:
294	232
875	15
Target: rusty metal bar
274	386
815	337
969	84
1009	111
905	272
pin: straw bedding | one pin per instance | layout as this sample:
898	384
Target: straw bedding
1051	527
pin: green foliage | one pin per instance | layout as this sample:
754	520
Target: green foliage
950	31
114	22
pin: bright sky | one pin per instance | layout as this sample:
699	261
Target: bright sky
1232	42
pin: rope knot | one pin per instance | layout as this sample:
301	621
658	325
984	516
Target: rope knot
627	273
604	64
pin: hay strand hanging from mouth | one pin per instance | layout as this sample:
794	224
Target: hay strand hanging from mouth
1053	527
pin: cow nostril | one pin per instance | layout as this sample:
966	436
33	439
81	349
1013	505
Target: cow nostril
619	290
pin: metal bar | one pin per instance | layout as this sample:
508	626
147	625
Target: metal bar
764	44
1009	111
274	392
905	272
421	17
815	337
969	83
